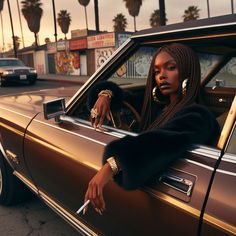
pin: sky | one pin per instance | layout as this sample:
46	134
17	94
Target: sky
108	9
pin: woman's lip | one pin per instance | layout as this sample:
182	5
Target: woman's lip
164	86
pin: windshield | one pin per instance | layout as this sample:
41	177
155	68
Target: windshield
11	63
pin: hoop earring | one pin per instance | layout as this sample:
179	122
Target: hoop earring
184	87
155	98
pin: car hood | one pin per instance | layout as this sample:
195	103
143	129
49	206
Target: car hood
31	103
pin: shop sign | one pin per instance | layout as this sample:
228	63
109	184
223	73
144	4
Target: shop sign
62	45
101	40
78	44
51	48
79	33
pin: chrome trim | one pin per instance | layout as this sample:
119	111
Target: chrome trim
26	181
206	151
182	30
226	172
229	158
18	113
119	133
5	155
69	132
199	164
77	224
231	229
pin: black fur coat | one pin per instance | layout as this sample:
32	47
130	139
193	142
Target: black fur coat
150	153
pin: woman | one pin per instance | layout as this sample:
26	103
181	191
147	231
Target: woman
171	122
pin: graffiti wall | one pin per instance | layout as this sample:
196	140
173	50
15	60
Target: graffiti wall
101	55
67	63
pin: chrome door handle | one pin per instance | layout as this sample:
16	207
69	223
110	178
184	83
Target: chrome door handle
180	184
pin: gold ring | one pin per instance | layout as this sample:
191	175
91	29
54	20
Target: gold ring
94	113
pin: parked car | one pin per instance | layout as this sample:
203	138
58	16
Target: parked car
56	158
14	70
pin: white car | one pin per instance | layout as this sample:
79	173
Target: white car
13	69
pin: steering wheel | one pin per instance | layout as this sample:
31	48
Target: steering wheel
127	118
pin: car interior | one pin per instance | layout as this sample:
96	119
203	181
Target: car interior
218	81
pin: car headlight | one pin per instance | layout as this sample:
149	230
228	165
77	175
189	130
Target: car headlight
7	72
33	71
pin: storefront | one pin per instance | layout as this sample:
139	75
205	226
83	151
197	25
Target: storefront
78	56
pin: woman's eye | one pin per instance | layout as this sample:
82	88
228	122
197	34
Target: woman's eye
156	72
172	67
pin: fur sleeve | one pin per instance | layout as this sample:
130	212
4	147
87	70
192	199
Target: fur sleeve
150	153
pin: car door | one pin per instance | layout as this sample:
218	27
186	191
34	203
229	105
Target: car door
63	157
219	216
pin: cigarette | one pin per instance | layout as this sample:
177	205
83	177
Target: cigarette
82	207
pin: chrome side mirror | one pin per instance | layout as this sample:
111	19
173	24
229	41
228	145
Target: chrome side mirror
54	108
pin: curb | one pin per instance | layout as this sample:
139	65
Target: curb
62	80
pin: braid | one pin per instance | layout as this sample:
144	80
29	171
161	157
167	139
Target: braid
189	68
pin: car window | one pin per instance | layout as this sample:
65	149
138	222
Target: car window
11	63
226	77
232	144
207	63
136	68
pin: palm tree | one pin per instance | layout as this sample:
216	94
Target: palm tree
3	41
32	11
120	23
17	42
191	13
85	4
133	7
155	20
64	19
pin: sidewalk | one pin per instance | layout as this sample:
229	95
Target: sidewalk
77	79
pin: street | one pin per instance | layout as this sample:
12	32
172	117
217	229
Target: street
32	217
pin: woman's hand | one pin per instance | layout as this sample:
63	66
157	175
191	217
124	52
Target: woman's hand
94	192
102	106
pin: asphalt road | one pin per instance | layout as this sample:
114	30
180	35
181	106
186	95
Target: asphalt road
32	218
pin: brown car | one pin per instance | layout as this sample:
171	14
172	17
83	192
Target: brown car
57	157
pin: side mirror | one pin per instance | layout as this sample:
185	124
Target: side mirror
54	108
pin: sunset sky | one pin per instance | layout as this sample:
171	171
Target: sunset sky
108	9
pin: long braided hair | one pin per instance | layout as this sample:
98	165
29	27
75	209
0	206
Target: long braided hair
189	68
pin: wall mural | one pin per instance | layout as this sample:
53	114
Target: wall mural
67	63
101	55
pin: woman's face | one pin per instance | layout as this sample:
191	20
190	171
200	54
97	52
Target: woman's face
166	75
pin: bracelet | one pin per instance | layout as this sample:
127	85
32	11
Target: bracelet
108	93
114	167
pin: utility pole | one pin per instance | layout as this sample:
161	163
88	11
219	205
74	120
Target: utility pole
22	36
54	18
96	16
208	9
12	30
232	6
162	12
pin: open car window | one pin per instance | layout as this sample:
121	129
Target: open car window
226	76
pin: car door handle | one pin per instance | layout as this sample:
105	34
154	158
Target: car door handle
178	183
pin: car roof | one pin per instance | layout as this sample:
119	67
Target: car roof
9	58
209	26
